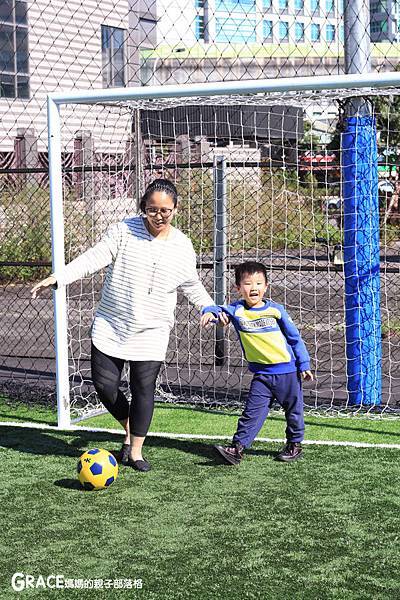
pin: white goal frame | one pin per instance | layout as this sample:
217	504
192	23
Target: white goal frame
54	103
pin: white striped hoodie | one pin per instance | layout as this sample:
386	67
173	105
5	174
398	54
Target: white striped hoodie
136	311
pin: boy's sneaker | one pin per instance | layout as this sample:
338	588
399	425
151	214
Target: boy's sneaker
231	454
292	451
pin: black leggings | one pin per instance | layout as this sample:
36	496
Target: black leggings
106	377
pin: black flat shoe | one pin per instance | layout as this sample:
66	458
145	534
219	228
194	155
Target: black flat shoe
124	454
139	465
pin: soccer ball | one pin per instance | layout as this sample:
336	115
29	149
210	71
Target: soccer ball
97	469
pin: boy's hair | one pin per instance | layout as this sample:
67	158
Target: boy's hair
249	268
159	185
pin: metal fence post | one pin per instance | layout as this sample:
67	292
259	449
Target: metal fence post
84	156
220	249
26	156
137	132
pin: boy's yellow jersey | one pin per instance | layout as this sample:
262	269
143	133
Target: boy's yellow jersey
270	340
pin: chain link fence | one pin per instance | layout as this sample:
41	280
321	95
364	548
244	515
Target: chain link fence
50	45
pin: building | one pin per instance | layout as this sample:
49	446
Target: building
65	45
142	34
385	19
59	46
268	21
250	21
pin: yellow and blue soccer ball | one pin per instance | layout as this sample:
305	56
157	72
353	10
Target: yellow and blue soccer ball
97	469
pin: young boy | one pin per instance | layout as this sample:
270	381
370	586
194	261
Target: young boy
276	355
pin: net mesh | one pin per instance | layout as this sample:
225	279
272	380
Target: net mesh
284	207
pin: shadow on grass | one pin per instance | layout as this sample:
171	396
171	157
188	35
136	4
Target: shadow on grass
343	426
271	417
347	428
45	419
216	458
40	442
70	484
75	485
73	443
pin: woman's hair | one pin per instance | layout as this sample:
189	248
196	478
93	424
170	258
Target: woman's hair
249	268
159	185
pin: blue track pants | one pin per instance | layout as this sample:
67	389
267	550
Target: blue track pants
286	388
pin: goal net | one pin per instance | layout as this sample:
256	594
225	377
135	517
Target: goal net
267	176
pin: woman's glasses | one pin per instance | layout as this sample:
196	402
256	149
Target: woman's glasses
164	212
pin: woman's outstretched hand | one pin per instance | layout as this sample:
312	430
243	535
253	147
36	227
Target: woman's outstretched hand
49	281
208	318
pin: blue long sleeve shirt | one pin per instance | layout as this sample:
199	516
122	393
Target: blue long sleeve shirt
270	340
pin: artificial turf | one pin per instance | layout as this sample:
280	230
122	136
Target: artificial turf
178	419
326	527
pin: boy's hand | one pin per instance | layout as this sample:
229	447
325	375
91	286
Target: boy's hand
307	375
43	284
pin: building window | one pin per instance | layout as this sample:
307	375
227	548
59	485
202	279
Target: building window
299	5
330	6
199	3
147	30
199	27
14	52
267	4
341	6
283	5
235	30
283	31
315	32
267	30
244	6
341	33
378	7
299	32
330	33
113	56
314	5
379	26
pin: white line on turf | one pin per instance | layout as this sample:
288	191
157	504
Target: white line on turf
193	436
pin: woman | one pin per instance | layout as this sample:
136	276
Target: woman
147	260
